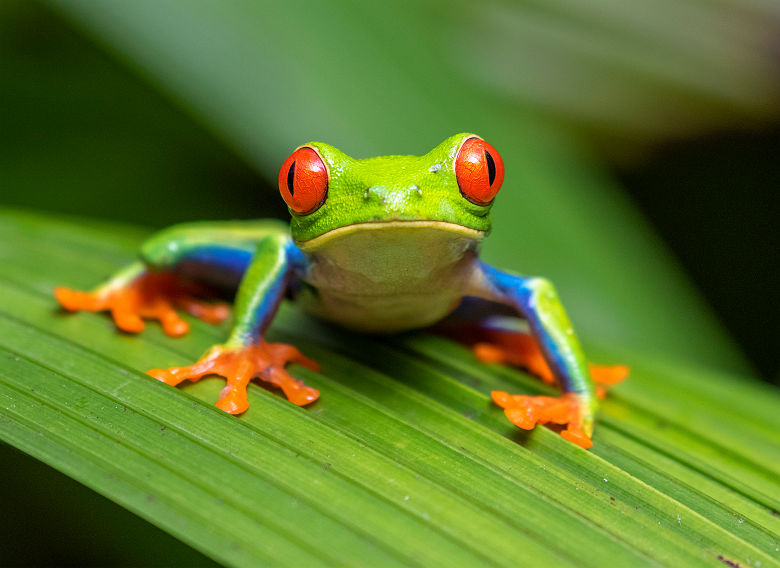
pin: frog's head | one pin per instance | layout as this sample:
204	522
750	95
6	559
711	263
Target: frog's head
450	188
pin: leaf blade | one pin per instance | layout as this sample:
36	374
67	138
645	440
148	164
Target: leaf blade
478	489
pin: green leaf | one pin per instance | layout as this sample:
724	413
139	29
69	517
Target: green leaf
403	461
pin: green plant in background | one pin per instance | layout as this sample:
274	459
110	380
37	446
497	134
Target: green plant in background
405	461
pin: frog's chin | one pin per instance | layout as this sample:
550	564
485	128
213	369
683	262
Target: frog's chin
389	228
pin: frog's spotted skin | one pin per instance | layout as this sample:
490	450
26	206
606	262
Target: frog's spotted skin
378	245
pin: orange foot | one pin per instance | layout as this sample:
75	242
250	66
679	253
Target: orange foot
152	295
528	411
522	350
239	366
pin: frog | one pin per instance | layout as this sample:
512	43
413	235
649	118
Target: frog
378	245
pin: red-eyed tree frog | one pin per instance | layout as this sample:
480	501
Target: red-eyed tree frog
378	245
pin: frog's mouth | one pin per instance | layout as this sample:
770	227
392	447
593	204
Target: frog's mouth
393	229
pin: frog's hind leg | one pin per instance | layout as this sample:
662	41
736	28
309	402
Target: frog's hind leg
180	267
136	294
521	349
491	330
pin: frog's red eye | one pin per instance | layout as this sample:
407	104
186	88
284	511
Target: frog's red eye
479	170
303	180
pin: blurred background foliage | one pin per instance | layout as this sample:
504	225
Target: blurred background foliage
641	140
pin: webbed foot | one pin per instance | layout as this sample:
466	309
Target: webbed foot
239	366
568	409
148	295
522	350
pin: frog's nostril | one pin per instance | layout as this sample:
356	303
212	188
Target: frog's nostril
416	188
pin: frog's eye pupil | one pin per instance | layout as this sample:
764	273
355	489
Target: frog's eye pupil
303	181
291	179
491	167
479	171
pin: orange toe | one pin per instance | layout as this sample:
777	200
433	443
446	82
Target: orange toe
489	353
607	376
74	300
577	437
171	322
233	398
214	313
295	391
126	317
233	401
514	348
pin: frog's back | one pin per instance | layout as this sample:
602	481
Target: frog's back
388	277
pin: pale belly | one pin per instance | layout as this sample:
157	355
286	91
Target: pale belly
383	279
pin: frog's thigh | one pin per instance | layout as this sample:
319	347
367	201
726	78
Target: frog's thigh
218	252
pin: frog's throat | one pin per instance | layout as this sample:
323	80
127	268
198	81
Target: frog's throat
389	226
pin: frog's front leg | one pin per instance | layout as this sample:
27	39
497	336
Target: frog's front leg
246	354
537	301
